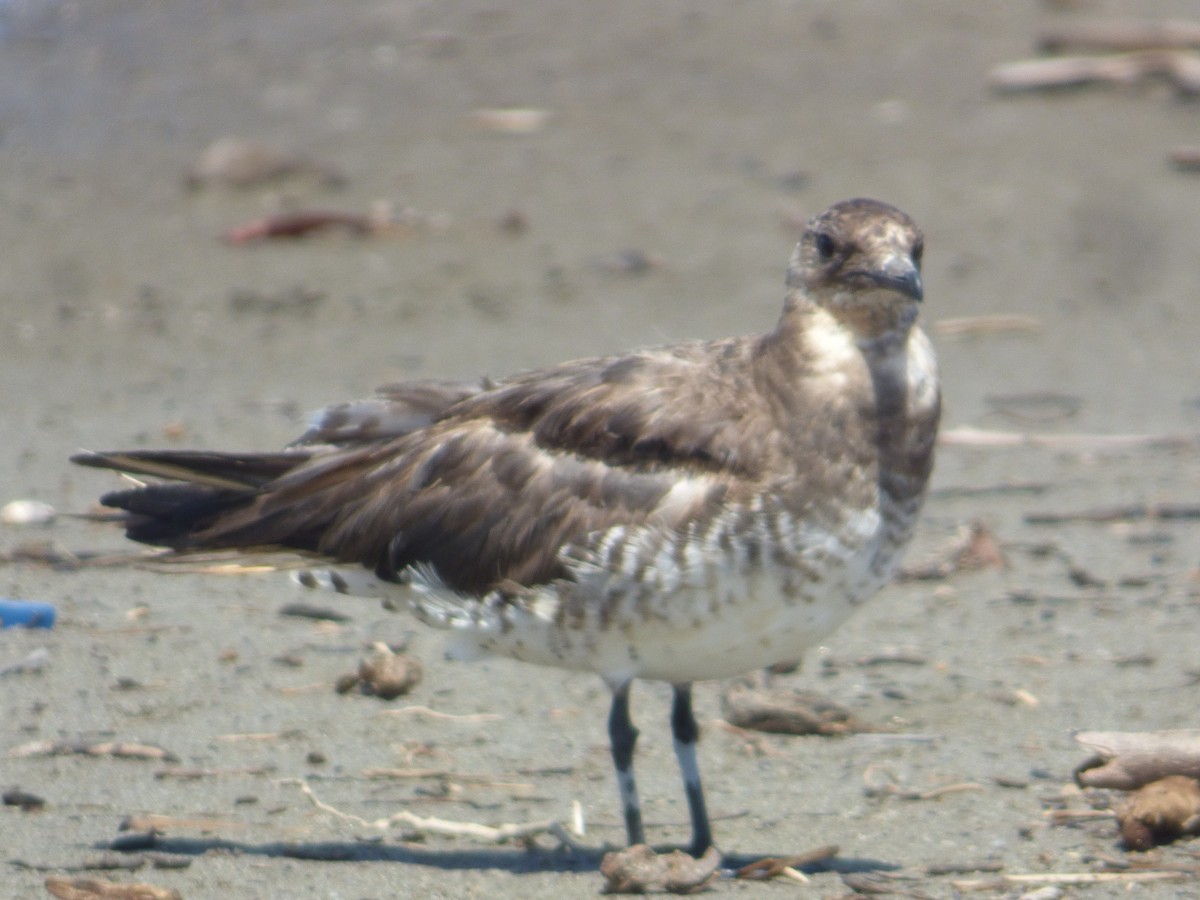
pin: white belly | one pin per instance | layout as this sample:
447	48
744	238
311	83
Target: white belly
712	609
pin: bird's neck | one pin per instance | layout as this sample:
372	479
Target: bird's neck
809	329
888	376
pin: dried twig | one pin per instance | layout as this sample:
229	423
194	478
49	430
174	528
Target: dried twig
1134	511
1067	816
260	736
301	223
1035	406
879	782
492	834
950	868
434	714
190	773
985	490
888	656
979	437
971	326
105	862
53	554
1020	879
152	822
447	775
98	889
298	224
115	749
788	866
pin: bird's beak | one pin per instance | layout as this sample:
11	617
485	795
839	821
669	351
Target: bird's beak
900	274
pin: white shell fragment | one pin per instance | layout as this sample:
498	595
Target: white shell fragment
26	512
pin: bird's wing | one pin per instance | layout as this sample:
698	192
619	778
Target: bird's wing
494	489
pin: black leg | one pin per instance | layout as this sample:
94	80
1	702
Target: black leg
623	738
686	732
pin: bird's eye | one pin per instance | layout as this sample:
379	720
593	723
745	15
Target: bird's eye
918	251
825	245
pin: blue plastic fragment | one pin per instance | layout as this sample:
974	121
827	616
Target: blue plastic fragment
26	613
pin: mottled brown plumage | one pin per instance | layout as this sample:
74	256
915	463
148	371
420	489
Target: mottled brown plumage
679	512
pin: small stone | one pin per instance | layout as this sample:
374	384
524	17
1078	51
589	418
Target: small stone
388	675
26	801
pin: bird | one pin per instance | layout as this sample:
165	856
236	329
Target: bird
677	513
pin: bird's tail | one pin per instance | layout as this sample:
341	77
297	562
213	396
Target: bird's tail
199	488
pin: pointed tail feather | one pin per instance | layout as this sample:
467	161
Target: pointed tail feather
202	487
234	471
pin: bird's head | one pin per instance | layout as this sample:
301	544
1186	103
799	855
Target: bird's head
861	261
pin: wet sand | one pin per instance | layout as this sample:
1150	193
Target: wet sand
692	137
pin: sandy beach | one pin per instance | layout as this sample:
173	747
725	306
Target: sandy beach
649	188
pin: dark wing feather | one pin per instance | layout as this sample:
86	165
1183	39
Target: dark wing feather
688	405
167	514
395	410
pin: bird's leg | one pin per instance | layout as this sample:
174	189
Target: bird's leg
686	732
623	737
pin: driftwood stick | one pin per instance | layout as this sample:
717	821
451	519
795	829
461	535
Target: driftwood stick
116	749
1128	760
493	834
1179	67
1120	35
